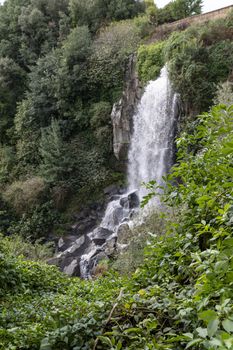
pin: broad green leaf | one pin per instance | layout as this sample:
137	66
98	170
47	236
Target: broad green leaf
119	346
215	342
212	327
202	332
193	342
133	330
207	316
105	340
228	325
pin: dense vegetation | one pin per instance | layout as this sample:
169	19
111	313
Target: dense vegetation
61	68
180	298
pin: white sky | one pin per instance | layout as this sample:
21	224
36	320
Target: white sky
208	5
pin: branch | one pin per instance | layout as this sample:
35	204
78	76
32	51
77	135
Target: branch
109	317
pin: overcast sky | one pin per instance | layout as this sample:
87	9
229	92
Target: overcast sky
209	5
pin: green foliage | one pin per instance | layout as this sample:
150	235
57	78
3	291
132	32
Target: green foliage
77	46
111	51
100	114
173	11
56	164
150	61
7	158
37	223
99	12
224	94
180	298
190	57
16	246
12	80
24	195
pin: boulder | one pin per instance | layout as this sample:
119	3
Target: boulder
123	233
110	246
100	235
65	242
133	199
111	190
73	269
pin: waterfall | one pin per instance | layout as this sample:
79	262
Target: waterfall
149	158
151	151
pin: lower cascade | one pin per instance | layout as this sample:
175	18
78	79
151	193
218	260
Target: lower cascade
150	157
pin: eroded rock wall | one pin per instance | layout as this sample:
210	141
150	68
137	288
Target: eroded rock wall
123	111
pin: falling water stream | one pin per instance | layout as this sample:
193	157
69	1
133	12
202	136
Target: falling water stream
151	151
150	157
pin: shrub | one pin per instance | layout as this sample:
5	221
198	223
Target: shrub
7	159
16	246
150	61
23	196
100	113
190	58
37	223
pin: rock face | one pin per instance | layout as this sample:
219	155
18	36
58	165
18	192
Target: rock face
123	112
79	256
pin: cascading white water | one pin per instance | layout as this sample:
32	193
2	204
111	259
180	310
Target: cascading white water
151	150
150	157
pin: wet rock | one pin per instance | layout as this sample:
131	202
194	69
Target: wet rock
133	199
110	246
115	197
65	242
96	259
111	190
77	246
123	233
73	269
124	202
100	235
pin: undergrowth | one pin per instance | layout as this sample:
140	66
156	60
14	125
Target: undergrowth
181	296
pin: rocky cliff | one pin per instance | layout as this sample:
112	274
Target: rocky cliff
123	112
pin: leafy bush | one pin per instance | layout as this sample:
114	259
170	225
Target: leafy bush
7	160
190	58
224	94
180	298
100	112
25	195
56	162
150	61
36	223
16	246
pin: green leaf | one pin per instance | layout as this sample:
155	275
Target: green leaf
119	346
193	342
133	330
207	316
228	325
215	342
105	340
212	327
45	345
202	332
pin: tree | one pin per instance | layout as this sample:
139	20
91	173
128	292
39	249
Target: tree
55	161
96	13
12	85
186	8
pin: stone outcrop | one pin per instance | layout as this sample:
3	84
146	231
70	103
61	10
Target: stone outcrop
78	255
123	112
